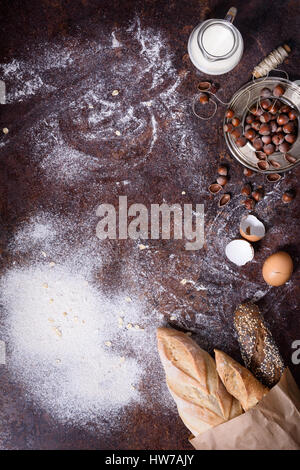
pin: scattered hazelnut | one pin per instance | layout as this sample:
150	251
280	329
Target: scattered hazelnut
288	196
257	195
222	180
249	204
246	190
248	172
222	170
203	98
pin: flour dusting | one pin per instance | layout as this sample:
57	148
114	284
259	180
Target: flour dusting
80	354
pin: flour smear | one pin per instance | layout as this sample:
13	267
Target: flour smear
80	354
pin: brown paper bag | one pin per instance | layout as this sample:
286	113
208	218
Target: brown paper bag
273	424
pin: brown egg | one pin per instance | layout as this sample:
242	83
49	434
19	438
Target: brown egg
277	268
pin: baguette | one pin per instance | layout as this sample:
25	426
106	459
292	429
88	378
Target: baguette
239	381
193	382
259	351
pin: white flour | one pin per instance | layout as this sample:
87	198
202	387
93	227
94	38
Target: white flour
80	354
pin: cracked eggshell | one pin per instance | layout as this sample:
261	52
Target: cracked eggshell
239	252
251	228
277	269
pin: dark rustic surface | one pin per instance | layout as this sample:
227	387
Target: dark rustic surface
155	174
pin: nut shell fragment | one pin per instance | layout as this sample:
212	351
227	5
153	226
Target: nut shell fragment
214	188
224	200
289	158
273	177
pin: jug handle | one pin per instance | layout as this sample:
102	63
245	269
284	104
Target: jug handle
231	14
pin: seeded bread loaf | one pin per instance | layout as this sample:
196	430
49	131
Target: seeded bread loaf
239	381
193	381
259	351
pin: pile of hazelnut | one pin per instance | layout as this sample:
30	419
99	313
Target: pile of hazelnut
270	126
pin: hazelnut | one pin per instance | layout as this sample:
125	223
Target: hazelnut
265	104
246	189
282	119
249	119
235	121
236	133
285	109
277	139
250	134
274	108
249	204
229	113
256	125
290	138
222	180
288	128
265	117
248	172
228	127
254	109
267	139
203	98
265	129
273	126
284	147
258	195
278	91
257	143
288	196
266	92
222	170
241	141
293	115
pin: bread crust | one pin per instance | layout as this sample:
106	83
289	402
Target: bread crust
193	381
258	349
239	381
